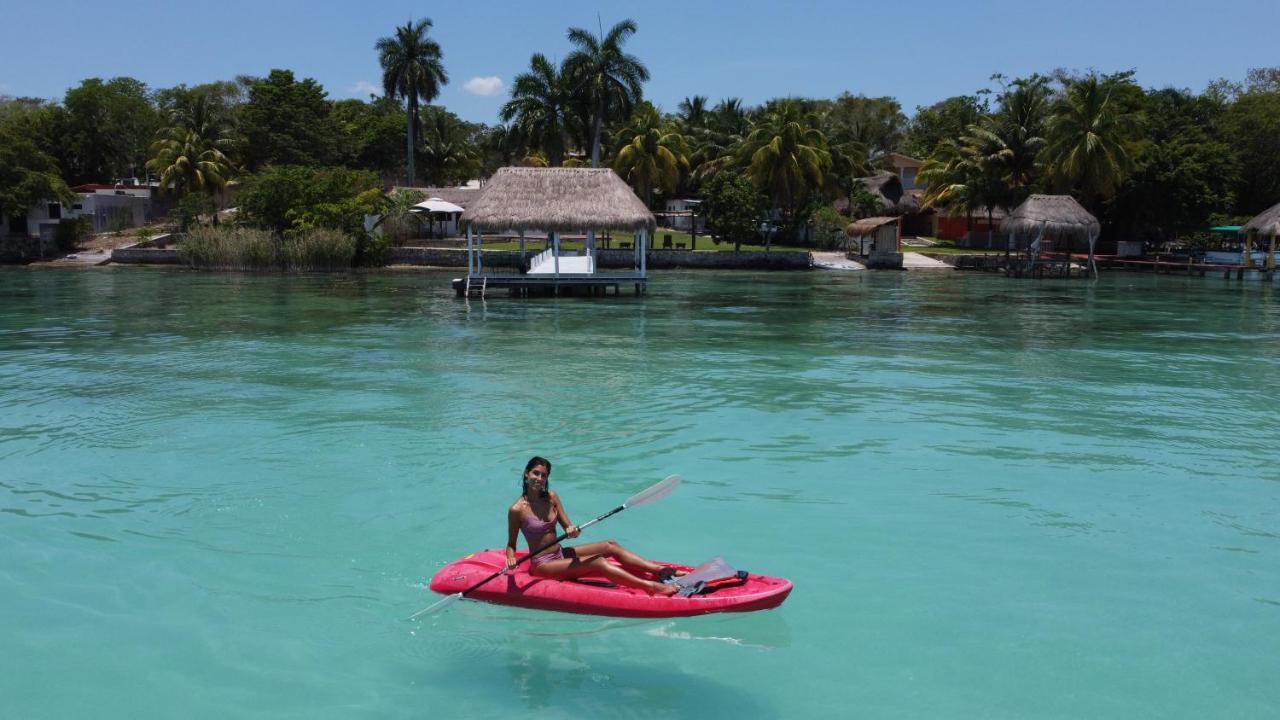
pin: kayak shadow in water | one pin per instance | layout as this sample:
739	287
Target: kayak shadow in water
560	678
766	630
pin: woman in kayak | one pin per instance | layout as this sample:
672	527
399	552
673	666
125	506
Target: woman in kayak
537	512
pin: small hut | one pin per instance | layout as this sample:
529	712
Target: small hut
877	238
1265	225
554	201
1052	219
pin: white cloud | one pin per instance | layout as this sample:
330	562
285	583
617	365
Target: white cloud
491	85
363	88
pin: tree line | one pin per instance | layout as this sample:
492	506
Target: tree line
1151	163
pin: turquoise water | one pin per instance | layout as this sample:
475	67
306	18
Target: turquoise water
221	495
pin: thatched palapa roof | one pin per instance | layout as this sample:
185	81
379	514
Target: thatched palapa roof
1267	223
866	226
1060	216
557	199
887	187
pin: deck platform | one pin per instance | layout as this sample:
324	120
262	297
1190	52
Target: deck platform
525	284
1183	266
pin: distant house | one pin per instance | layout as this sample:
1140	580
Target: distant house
39	220
681	214
906	168
111	207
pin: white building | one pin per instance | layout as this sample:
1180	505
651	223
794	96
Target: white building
681	213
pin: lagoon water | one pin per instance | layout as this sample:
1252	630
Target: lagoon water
221	495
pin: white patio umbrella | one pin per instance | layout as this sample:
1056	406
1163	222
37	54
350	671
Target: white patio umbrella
435	206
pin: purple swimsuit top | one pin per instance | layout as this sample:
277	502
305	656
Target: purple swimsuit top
534	529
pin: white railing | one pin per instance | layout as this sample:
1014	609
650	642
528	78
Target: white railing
541	257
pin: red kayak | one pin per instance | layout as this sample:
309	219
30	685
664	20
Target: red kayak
594	595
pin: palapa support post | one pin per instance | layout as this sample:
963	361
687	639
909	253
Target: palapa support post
470	257
1092	266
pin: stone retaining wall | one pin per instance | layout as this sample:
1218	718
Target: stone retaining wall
144	256
19	248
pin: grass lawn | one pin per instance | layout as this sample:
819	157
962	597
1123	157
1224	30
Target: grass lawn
704	243
948	247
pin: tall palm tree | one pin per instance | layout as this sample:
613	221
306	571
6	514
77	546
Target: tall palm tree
448	153
191	154
1020	123
786	155
608	79
1087	149
413	70
540	108
949	176
694	112
715	145
653	154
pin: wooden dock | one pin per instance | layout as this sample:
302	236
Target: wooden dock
524	284
1059	265
1185	266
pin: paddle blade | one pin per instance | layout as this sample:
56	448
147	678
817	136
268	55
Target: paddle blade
657	492
441	604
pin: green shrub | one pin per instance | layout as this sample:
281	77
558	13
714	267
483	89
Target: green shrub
828	228
188	210
71	232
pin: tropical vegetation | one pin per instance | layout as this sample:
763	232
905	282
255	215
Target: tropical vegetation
1151	163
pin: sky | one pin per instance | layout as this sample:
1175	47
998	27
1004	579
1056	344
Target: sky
918	52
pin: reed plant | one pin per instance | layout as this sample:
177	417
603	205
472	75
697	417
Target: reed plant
250	249
317	250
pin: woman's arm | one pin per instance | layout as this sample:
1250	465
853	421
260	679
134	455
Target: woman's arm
513	533
569	527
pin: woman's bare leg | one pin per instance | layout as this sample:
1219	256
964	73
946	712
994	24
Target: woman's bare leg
573	567
610	548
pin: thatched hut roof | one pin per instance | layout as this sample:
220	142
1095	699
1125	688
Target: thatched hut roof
1267	223
557	199
866	226
1059	215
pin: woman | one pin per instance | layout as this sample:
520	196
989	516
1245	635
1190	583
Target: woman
537	512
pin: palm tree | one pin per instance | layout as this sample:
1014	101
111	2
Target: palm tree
191	155
949	178
1087	150
786	155
412	69
448	153
539	105
1020	123
849	162
653	155
715	145
607	79
694	112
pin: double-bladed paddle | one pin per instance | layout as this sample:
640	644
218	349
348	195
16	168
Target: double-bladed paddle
656	492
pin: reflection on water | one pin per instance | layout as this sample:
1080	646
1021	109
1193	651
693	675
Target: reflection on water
236	486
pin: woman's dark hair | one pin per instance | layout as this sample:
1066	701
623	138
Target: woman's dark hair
534	462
